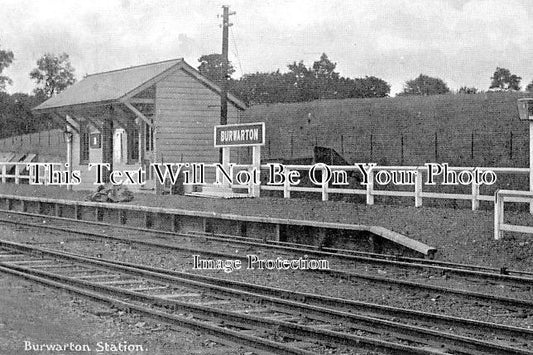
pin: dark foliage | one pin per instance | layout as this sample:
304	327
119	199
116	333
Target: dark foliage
425	85
467	90
502	79
212	67
16	116
299	84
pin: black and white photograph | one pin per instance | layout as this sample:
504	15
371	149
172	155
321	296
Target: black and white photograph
266	177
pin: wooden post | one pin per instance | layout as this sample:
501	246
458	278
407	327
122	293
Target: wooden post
4	172
475	196
141	125
69	155
531	163
225	164
418	188
401	155
498	215
17	178
256	169
107	142
324	184
370	188
286	185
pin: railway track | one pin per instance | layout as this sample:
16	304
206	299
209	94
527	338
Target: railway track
474	274
497	274
259	317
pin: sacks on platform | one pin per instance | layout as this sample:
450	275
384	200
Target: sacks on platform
110	193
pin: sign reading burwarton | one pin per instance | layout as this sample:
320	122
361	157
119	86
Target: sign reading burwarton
240	135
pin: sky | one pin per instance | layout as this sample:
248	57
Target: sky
459	41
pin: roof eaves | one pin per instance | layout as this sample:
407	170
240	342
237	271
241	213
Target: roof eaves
40	111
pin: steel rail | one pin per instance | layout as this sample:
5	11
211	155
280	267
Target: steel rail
337	273
214	314
254	343
369	323
502	274
303	297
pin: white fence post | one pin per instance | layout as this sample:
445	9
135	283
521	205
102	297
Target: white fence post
17	179
475	195
370	188
498	215
286	185
324	185
418	188
4	172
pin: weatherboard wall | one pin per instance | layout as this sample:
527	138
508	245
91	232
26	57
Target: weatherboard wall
186	113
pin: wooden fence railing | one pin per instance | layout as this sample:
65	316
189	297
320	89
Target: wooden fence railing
22	172
17	172
502	196
369	190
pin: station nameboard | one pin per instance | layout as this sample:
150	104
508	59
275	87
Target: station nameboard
240	135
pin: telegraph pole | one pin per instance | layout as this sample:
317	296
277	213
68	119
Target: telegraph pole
225	63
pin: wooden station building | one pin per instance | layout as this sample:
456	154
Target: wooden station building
160	112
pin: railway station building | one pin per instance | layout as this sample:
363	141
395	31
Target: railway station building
160	112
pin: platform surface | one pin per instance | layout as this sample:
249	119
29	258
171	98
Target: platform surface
460	235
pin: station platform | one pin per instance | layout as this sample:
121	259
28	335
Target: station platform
459	235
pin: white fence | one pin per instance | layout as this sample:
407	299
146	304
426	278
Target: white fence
502	196
369	190
18	172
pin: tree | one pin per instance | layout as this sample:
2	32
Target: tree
529	87
370	86
425	85
467	90
325	78
52	75
6	58
502	79
212	67
263	88
16	116
324	68
302	83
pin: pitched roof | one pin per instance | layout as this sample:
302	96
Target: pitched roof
111	86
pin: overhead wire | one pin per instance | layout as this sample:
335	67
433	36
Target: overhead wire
236	51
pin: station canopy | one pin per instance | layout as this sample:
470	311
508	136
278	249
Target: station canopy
119	88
